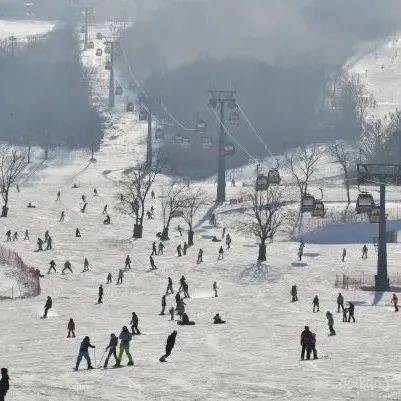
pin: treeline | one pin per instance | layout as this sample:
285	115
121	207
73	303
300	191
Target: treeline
46	95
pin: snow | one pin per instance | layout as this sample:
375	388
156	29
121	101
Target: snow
22	29
255	356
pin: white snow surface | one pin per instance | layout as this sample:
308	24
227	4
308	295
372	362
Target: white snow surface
22	29
255	356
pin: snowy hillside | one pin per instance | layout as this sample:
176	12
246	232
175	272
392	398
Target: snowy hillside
255	356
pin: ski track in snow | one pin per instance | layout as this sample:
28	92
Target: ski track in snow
255	356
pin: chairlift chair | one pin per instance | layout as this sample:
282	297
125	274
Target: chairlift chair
374	215
229	149
186	142
274	176
143	114
178	139
159	134
108	65
107	50
207	142
118	91
307	203
234	118
319	209
364	203
99	36
91	45
130	107
201	126
262	183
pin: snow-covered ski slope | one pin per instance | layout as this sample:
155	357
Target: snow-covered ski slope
255	356
22	29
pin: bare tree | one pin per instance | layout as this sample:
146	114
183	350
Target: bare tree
193	200
172	202
266	217
301	163
135	189
344	155
12	165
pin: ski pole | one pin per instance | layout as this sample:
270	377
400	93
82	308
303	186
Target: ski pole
101	359
94	356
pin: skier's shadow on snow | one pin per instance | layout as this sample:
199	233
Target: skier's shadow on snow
299	264
312	254
378	297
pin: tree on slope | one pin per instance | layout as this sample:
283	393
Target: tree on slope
12	165
172	206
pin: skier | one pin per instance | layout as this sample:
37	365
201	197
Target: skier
58	196
77	233
109	278
8	236
311	346
330	322
83	209
221	254
52	264
104	209
134	324
112	347
49	243
152	263
305	341
169	286
62	216
228	241
344	254
4	383
185	321
48	306
149	215
179	229
160	248
120	276
84	352
182	281
223	233
163	304
294	293
107	220
351	311
40	244
177	298
95	192
394	301
185	248
86	265
15	236
180	308
83	197
364	252
233	182
340	302
217	319
67	266
185	289
316	304
171	311
71	328
215	288
100	297
169	346
26	235
179	250
300	253
125	338
154	250
345	315
152	194
200	256
127	263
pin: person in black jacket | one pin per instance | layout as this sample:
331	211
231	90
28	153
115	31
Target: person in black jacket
4	383
163	304
100	298
169	286
112	347
84	352
48	305
169	346
134	324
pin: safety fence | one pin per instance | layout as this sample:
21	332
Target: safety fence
362	279
27	277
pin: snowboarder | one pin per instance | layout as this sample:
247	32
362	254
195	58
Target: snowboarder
217	319
58	196
49	243
185	248
125	338
120	277
294	293
364	252
215	288
351	311
169	286
77	233
154	250
169	346
71	328
394	301
179	250
134	324
160	248
67	266
316	304
127	263
40	244
311	346
340	302
200	256
4	383
100	297
107	220
48	306
112	347
149	215
163	304
84	352
344	254
8	236
152	263
221	253
185	321
330	323
26	235
171	311
52	266
86	265
62	216
109	278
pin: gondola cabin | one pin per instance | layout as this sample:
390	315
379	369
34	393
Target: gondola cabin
207	142
99	52
107	65
130	107
229	149
159	134
374	215
118	91
91	45
143	115
201	126
364	203
307	203
274	176
319	209
99	36
262	183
